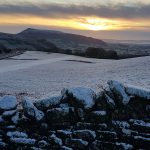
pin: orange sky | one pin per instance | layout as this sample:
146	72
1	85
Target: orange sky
111	15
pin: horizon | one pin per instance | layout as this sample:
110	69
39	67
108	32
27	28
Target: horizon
69	32
112	19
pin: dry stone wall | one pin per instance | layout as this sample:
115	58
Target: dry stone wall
117	118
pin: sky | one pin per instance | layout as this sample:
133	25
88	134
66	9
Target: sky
104	19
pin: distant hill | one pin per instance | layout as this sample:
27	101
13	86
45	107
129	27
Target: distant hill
61	39
47	40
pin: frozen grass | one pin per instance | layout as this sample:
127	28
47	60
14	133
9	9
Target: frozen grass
50	73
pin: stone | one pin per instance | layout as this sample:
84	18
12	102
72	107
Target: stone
138	92
43	128
64	105
15	118
102	126
80	114
63	134
60	115
2	121
65	148
124	146
31	111
23	141
140	141
107	136
8	103
80	97
48	103
110	102
54	140
146	135
128	132
119	91
98	145
10	128
86	135
16	134
35	148
140	125
3	145
43	144
84	125
76	143
120	124
97	116
8	114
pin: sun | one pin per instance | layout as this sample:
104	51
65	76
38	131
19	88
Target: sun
95	24
95	27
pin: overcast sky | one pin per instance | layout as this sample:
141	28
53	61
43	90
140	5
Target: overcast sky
111	19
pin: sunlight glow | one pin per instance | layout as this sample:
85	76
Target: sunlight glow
79	23
96	24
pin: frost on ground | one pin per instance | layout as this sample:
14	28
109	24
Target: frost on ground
46	74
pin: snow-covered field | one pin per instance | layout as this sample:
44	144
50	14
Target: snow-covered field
39	73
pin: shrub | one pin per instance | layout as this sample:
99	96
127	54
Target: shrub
101	53
92	52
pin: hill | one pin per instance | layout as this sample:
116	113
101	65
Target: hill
46	40
61	39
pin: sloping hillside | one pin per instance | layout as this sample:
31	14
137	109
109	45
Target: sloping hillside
61	39
40	73
46	40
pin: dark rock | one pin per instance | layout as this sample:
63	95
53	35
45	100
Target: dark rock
15	118
80	97
90	126
107	136
43	144
110	102
119	91
17	134
138	92
124	146
102	126
48	103
64	105
43	128
120	124
10	128
140	126
80	114
3	145
86	135
2	121
65	148
63	134
141	142
31	111
76	143
146	135
8	103
23	141
84	125
8	114
60	115
54	140
35	148
98	145
128	132
97	116
148	110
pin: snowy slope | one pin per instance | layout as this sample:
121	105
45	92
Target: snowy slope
39	73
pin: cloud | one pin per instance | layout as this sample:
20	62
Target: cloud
68	11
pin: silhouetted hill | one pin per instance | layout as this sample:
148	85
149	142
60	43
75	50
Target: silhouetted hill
61	39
